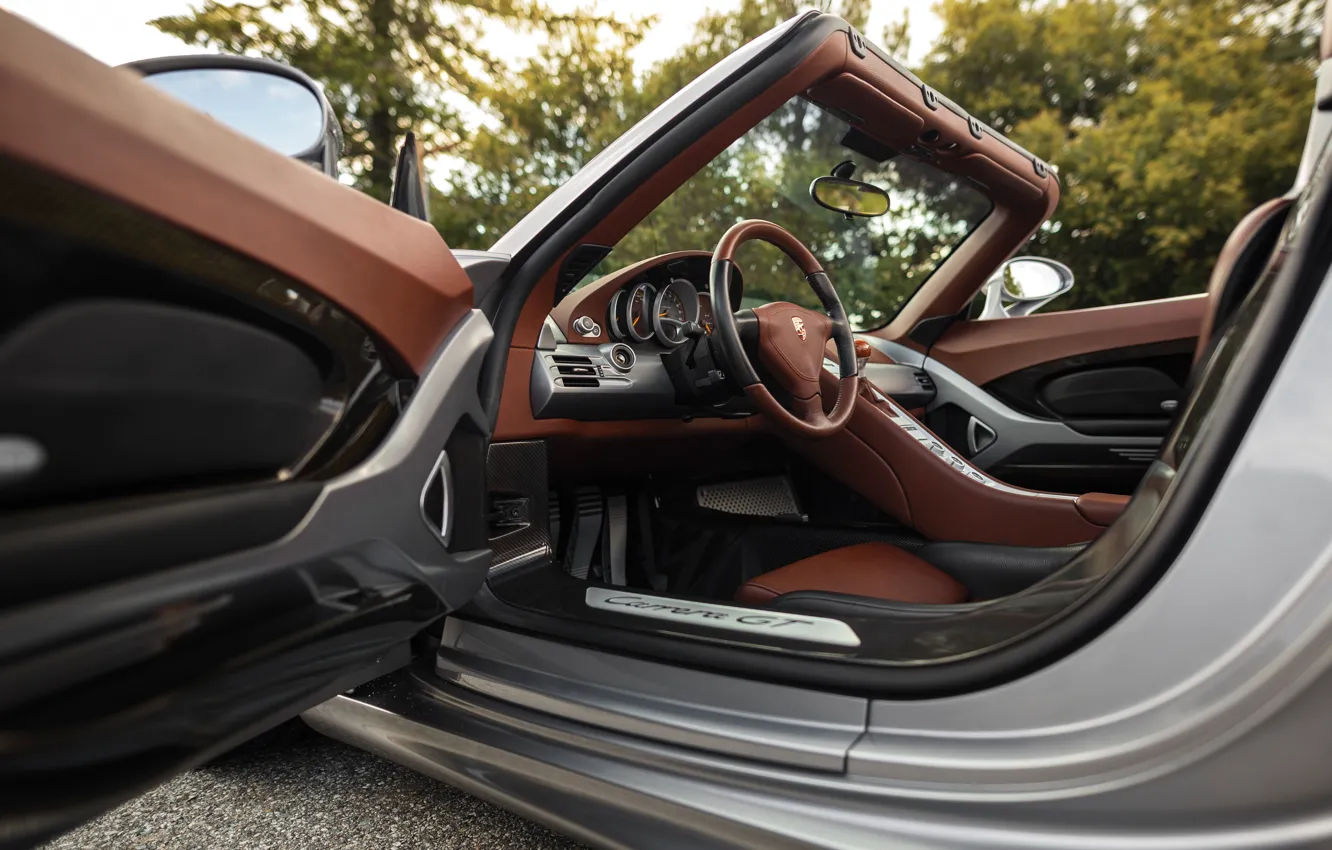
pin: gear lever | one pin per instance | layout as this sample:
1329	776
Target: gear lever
862	357
868	390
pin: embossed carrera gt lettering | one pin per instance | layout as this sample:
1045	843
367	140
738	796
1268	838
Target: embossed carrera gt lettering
815	629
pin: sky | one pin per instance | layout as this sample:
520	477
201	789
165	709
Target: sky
115	31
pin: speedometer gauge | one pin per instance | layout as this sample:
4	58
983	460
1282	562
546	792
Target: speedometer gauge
638	312
675	306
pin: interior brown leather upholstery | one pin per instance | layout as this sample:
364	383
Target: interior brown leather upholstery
878	570
984	350
109	130
757	228
899	475
795	359
1101	508
1239	239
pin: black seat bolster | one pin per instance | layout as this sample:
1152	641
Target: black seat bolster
989	570
821	603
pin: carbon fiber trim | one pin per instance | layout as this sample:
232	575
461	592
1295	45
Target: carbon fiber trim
516	477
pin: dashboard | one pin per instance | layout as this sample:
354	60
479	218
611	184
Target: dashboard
604	351
645	304
601	353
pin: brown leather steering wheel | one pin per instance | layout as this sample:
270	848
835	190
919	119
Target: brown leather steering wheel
791	339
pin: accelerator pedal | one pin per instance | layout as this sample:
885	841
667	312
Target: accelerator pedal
773	496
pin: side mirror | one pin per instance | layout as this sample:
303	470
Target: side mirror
849	197
1023	285
274	104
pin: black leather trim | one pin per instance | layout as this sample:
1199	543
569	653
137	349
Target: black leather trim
990	570
841	331
728	334
824	604
54	551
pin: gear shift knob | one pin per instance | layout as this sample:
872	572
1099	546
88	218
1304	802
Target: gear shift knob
862	357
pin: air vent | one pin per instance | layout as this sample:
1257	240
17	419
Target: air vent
570	358
580	382
578	370
576	266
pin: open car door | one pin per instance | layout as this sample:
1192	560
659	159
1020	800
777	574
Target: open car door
241	448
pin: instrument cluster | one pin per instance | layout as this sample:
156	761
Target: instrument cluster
660	305
642	312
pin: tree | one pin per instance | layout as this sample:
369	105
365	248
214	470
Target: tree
551	115
388	66
1167	121
544	121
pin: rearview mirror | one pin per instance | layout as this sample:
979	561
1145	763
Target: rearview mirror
274	104
849	197
1023	285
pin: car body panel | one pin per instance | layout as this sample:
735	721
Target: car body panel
158	621
108	130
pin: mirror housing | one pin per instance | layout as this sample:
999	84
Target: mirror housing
849	197
272	103
1022	285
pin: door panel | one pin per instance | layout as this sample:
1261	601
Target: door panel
234	481
1069	402
982	351
105	129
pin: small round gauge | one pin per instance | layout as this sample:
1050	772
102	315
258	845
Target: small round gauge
614	324
705	314
638	312
676	305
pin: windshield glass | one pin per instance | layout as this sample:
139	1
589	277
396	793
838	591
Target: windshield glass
876	264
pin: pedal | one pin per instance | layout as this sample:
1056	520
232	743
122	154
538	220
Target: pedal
585	532
766	497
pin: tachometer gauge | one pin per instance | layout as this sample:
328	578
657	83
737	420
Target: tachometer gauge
675	306
614	322
638	312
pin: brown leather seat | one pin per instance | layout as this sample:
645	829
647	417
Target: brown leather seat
879	570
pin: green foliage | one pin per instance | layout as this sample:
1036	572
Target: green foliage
1168	121
545	120
388	66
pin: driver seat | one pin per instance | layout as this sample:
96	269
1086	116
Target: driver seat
876	570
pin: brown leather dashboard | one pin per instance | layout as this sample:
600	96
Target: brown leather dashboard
106	129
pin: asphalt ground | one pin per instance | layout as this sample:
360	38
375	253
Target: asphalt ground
310	793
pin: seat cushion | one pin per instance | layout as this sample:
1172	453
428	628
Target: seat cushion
878	570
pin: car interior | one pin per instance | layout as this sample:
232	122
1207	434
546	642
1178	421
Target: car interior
823	435
776	387
831	443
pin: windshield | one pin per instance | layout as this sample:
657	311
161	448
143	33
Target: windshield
876	264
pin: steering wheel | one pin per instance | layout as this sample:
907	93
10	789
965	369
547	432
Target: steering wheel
791	339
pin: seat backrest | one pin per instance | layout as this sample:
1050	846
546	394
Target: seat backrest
1238	266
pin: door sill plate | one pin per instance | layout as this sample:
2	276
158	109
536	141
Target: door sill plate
752	621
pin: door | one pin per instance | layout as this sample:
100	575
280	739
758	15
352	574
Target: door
1073	402
241	448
